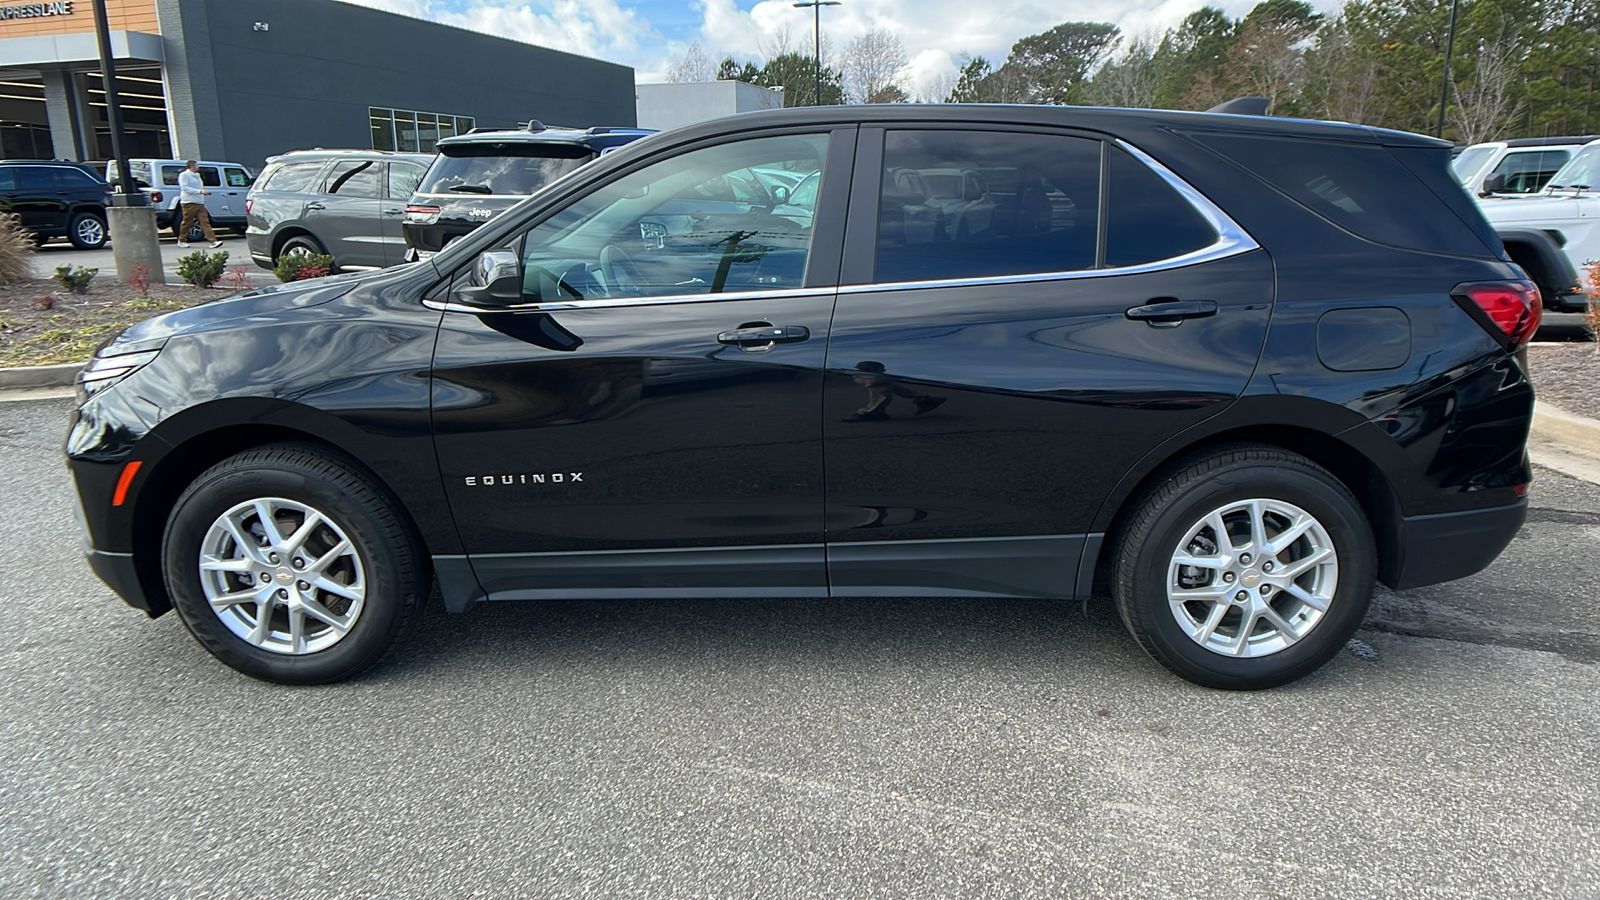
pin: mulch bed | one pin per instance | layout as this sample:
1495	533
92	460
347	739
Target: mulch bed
42	324
1567	376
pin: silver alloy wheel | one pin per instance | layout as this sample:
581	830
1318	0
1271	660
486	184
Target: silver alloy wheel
282	575
1252	578
297	251
90	231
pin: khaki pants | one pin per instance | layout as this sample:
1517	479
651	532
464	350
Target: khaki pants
191	212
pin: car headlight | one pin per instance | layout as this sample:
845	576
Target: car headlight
105	370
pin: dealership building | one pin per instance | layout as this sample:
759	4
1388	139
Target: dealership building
240	81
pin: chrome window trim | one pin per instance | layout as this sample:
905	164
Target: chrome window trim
607	302
1232	240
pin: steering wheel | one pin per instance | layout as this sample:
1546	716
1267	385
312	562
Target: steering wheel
621	273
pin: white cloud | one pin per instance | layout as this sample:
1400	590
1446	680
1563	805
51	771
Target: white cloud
935	32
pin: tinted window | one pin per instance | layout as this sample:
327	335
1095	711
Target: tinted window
74	179
34	178
354	178
403	180
291	177
7	181
1032	205
1361	187
1148	220
169	174
670	228
499	169
210	177
1530	170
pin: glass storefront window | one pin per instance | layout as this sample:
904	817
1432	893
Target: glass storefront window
427	131
405	131
382	128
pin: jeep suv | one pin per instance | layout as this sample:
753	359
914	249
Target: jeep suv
1514	167
478	175
1562	219
345	203
56	199
1230	370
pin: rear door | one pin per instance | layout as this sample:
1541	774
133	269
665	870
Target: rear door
346	218
37	200
990	378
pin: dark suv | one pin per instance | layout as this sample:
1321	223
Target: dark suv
478	175
56	199
1229	369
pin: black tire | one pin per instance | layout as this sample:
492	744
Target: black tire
300	243
87	231
1178	501
387	555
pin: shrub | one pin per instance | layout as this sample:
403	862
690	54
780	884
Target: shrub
1591	317
16	250
74	278
202	269
140	279
303	266
238	278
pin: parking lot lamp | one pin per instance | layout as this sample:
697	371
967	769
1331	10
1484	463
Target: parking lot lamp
816	37
1444	82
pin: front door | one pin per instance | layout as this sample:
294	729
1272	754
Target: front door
646	420
232	193
1038	310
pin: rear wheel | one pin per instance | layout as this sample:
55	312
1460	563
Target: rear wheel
300	245
87	231
289	565
1245	568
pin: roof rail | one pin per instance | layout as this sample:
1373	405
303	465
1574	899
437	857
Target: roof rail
1243	106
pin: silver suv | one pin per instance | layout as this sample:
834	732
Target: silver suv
346	203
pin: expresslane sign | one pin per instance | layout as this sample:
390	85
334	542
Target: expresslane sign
35	10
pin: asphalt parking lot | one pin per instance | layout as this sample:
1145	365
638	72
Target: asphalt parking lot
853	749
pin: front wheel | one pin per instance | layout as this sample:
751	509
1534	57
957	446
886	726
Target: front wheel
291	566
1245	568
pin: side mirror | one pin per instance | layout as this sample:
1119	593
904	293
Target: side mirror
1494	184
496	279
780	194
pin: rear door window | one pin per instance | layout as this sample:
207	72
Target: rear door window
7	181
210	177
354	178
34	178
74	179
1362	188
1148	220
974	204
403	180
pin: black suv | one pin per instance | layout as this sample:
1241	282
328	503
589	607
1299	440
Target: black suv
1229	369
477	175
56	199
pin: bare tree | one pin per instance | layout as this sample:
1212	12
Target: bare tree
1269	59
870	65
693	67
935	88
1131	79
1486	105
1343	76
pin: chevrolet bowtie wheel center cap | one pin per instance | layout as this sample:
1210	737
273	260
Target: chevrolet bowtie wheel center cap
1250	579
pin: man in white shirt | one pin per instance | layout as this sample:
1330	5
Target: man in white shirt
191	197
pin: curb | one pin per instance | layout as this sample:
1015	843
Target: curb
63	375
1575	432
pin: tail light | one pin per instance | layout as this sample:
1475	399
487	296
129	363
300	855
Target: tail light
249	204
1510	310
155	196
422	215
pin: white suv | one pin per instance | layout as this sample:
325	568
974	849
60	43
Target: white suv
1567	210
1523	165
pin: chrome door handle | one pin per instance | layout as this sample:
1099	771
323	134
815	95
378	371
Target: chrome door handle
1165	312
315	206
765	334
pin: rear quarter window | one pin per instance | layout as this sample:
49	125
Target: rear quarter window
1362	188
291	177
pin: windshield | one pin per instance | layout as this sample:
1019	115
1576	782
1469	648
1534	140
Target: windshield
1471	162
1579	172
497	169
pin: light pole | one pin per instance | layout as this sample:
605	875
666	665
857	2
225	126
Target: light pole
1444	83
816	32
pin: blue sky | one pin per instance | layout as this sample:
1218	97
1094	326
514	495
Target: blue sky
653	35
